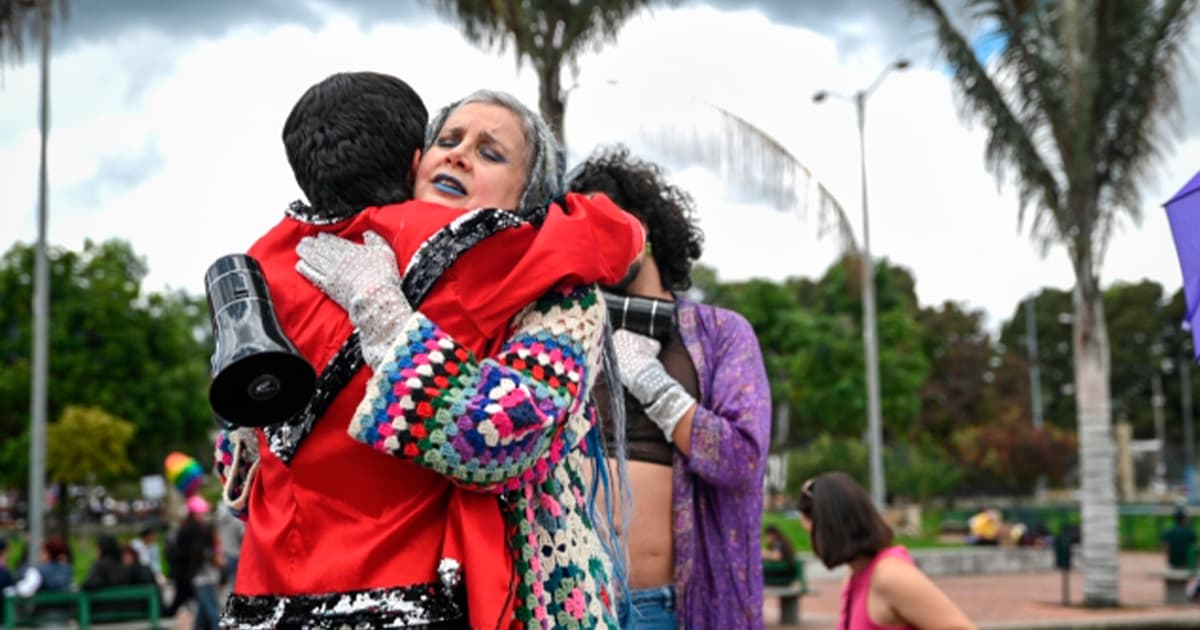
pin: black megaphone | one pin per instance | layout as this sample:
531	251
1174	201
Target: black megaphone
642	315
259	378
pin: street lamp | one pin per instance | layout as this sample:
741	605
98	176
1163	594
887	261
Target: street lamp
41	318
870	342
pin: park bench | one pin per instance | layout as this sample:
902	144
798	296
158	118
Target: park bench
117	603
124	603
46	607
789	594
1175	584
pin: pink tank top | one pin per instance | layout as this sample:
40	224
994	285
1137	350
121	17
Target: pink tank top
854	595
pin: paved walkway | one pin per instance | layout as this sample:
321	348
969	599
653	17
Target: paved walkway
1029	600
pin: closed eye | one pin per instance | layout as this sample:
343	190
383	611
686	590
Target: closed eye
492	155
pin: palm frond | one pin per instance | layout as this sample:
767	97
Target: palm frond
1137	93
543	32
1010	144
19	20
752	163
1025	29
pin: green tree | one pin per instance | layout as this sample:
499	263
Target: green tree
1052	320
811	336
1007	454
1136	328
547	33
1180	355
137	356
1074	105
960	356
87	443
921	470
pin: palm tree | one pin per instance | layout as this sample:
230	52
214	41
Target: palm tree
18	18
547	33
1074	106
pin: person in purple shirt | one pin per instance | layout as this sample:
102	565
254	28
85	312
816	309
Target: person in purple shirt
698	410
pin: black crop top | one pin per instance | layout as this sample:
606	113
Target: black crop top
644	441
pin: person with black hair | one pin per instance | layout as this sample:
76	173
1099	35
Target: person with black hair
885	589
398	543
107	570
1179	541
145	546
699	421
779	557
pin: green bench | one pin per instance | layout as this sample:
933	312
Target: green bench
789	594
117	603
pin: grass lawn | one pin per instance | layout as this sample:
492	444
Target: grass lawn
930	520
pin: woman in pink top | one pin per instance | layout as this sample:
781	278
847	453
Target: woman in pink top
885	590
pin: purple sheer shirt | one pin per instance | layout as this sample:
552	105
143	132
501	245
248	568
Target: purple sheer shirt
718	490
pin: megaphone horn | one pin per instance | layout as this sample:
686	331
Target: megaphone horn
259	378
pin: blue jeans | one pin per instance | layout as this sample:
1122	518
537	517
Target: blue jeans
208	611
649	609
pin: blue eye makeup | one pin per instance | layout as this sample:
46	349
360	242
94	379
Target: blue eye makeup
492	155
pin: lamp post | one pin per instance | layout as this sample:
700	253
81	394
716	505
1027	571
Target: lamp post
41	316
870	341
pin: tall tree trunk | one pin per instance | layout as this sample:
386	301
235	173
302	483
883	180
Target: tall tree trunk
1097	455
550	98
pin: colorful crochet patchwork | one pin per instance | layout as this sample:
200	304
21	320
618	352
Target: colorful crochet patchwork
513	424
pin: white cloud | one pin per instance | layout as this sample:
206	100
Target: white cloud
212	112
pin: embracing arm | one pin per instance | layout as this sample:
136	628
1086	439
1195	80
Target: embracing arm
915	599
726	442
489	424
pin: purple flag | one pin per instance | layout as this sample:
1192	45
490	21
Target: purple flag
1183	212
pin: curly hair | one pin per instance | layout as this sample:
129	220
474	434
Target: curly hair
640	188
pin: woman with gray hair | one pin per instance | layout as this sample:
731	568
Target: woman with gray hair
487	382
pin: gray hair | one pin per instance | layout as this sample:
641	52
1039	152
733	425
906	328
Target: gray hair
545	166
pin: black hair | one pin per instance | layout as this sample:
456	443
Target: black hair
786	551
350	140
640	189
107	547
845	524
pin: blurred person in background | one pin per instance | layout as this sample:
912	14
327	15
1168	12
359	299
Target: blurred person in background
145	545
1179	541
52	573
885	589
6	576
779	558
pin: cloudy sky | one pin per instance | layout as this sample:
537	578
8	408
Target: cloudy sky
166	120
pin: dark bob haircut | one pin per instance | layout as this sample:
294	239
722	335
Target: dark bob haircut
640	189
845	524
350	140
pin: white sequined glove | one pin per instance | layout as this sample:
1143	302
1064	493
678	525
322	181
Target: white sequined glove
664	399
365	281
